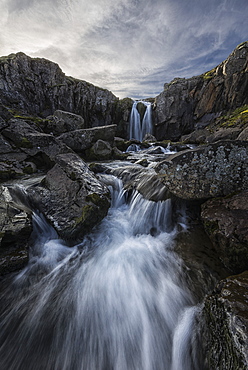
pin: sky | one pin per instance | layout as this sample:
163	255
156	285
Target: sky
131	47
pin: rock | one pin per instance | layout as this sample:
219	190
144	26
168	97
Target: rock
39	87
80	140
15	230
225	134
226	222
101	150
61	122
71	197
195	137
121	118
187	104
118	154
208	171
225	312
34	146
149	138
243	135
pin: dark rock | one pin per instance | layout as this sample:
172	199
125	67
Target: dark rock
225	312
187	104
122	110
118	154
71	197
80	140
101	150
225	134
243	135
15	230
195	137
207	171
226	222
61	122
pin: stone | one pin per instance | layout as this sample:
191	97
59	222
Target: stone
61	122
194	103
195	137
208	171
224	134
80	140
226	222
101	150
72	199
226	334
243	135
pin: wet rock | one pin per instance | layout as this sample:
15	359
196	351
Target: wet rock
225	312
207	171
71	197
15	230
226	222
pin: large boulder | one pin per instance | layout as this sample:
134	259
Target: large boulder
208	171
226	222
62	121
71	197
226	335
80	140
187	104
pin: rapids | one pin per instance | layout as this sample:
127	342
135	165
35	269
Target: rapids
116	301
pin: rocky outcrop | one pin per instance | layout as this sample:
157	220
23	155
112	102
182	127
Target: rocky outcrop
61	122
208	171
187	104
38	87
71	197
226	222
225	312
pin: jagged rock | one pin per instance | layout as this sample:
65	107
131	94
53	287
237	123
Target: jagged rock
187	104
80	140
39	87
149	138
61	122
226	334
208	171
71	197
226	222
15	230
122	114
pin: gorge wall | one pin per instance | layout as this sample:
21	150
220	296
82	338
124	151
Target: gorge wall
189	104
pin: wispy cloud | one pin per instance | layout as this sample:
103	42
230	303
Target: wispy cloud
128	46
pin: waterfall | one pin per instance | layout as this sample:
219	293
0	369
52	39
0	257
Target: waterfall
116	301
138	129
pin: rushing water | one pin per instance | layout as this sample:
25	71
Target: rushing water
116	301
137	128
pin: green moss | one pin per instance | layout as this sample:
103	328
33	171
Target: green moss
211	227
25	143
87	211
236	118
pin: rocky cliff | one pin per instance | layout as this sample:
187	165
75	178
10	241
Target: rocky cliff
187	104
37	86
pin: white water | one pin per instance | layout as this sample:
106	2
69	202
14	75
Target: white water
116	301
138	129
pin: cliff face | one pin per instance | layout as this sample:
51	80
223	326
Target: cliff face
39	87
187	104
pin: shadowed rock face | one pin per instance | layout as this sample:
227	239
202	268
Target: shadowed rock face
226	222
186	104
225	312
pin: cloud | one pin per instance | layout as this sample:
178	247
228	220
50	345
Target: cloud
128	46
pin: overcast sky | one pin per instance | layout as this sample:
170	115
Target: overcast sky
131	47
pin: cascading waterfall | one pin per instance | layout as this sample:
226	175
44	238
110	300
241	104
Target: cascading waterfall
138	129
116	301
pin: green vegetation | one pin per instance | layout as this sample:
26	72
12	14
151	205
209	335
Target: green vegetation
210	74
236	118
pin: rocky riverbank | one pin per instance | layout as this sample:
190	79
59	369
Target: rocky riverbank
52	126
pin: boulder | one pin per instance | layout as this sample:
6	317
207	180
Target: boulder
195	137
101	150
243	135
61	122
80	140
224	134
208	171
226	334
15	230
71	197
226	222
